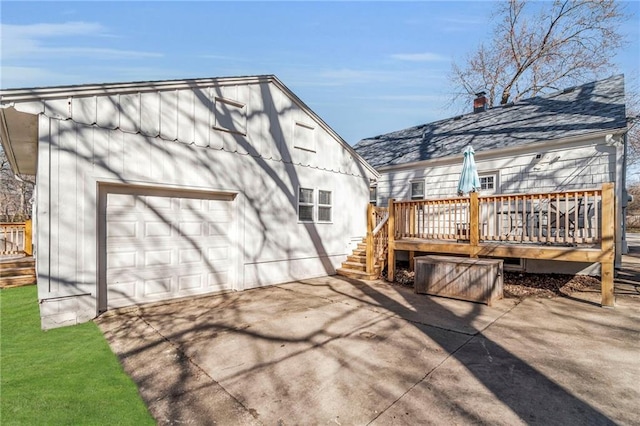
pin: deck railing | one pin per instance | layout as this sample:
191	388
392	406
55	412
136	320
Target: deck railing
565	218
377	237
574	226
15	238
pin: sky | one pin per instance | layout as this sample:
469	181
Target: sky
366	68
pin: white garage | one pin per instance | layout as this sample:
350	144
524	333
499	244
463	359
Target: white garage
151	191
161	244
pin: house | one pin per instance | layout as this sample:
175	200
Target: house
149	191
570	140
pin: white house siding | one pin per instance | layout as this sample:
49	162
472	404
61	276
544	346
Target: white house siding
587	165
584	164
168	139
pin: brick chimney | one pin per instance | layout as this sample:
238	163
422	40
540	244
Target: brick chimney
480	103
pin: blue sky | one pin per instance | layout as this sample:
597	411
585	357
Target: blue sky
366	68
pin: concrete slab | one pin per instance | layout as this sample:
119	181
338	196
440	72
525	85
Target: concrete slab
334	350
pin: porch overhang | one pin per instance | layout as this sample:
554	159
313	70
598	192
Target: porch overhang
19	138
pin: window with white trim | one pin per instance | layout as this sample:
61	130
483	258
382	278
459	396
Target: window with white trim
488	183
315	205
324	206
305	205
417	190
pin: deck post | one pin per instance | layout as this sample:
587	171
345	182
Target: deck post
28	237
474	223
369	251
412	255
391	224
607	245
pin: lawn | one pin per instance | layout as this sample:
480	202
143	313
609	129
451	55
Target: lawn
63	376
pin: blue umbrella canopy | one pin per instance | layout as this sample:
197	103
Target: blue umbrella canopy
469	180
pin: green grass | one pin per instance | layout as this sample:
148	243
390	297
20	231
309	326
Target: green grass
65	376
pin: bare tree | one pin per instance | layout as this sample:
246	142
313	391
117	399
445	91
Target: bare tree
542	46
15	194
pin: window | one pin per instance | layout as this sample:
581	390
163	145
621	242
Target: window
311	209
373	195
417	190
324	206
488	183
305	205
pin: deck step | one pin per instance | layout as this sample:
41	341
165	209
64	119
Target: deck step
22	262
357	258
16	272
360	252
358	275
17	281
355	266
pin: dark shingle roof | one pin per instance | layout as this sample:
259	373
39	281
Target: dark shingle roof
577	111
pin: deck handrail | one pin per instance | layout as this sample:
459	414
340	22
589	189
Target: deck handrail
15	238
377	237
562	217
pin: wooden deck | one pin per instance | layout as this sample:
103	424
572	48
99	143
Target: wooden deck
573	226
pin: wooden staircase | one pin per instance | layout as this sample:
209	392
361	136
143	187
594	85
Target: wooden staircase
17	272
356	264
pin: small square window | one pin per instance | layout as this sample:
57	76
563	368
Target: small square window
373	195
487	183
417	190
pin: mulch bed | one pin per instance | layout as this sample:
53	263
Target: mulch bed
519	285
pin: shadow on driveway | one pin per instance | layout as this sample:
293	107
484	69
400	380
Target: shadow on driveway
334	350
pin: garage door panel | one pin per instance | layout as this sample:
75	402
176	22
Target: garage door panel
155	203
157	286
120	229
123	259
158	257
191	229
157	229
161	247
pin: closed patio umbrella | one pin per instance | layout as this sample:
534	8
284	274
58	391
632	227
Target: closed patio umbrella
469	180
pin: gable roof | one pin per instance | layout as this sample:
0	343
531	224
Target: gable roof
18	130
574	112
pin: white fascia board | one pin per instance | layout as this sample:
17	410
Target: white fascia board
41	93
510	151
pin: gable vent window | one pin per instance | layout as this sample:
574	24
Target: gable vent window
231	116
417	190
304	137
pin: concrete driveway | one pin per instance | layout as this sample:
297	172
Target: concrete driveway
339	351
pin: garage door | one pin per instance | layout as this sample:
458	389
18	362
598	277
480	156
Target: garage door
162	245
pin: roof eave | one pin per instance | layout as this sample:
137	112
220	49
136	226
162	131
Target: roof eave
505	151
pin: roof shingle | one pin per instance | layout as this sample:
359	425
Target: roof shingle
577	111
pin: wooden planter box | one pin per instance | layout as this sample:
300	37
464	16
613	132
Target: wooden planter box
476	280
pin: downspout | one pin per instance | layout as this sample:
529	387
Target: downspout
619	143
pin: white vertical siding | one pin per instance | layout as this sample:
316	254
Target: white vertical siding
130	139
